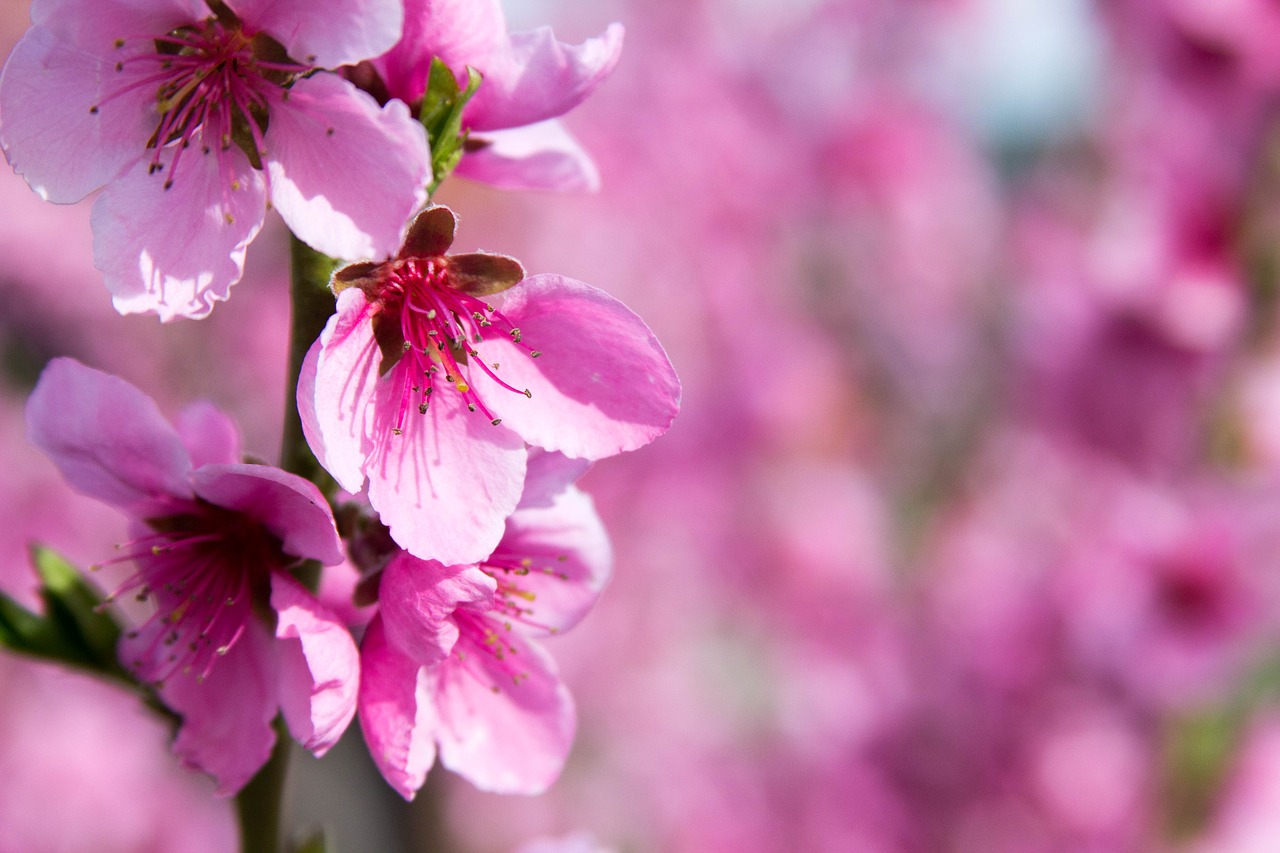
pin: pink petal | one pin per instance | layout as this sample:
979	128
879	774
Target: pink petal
345	174
548	475
226	718
341	391
287	505
446	485
534	77
459	32
602	385
417	599
175	252
319	666
208	434
347	32
49	135
540	156
572	559
108	439
398	720
510	740
94	25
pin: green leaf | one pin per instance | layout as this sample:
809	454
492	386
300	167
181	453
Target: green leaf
318	842
76	606
441	115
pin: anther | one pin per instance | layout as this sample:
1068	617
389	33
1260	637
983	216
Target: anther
496	421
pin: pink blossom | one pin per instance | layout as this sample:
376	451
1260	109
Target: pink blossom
213	542
197	120
451	663
529	80
432	377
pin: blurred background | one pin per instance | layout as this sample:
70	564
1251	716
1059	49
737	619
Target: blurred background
968	536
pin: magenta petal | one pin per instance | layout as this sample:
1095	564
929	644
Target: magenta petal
306	397
506	725
108	439
175	252
444	487
346	174
319	666
208	434
398	720
458	32
602	385
342	390
94	25
540	156
226	718
549	473
347	31
572	559
48	133
418	598
287	505
534	77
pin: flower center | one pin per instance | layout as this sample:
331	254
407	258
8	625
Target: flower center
438	330
203	571
214	85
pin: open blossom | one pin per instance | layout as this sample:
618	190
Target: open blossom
530	79
213	542
197	117
437	370
451	662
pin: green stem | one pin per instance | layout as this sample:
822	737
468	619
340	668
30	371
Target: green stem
258	803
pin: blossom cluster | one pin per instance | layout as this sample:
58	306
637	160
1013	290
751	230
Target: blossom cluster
454	399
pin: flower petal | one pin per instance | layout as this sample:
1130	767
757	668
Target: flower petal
549	473
459	32
417	599
571	559
287	505
534	77
540	156
345	174
347	32
226	717
108	439
319	666
52	139
446	485
94	25
506	724
175	252
398	720
208	434
336	400
602	385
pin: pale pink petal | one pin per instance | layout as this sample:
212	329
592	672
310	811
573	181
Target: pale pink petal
319	666
51	138
534	77
226	717
417	599
571	559
175	252
346	174
540	156
459	32
602	385
346	32
446	485
94	25
108	439
287	505
208	434
397	718
549	473
342	390
506	724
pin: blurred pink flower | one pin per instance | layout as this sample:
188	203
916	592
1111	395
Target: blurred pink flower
377	390
529	80
214	540
197	118
451	661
